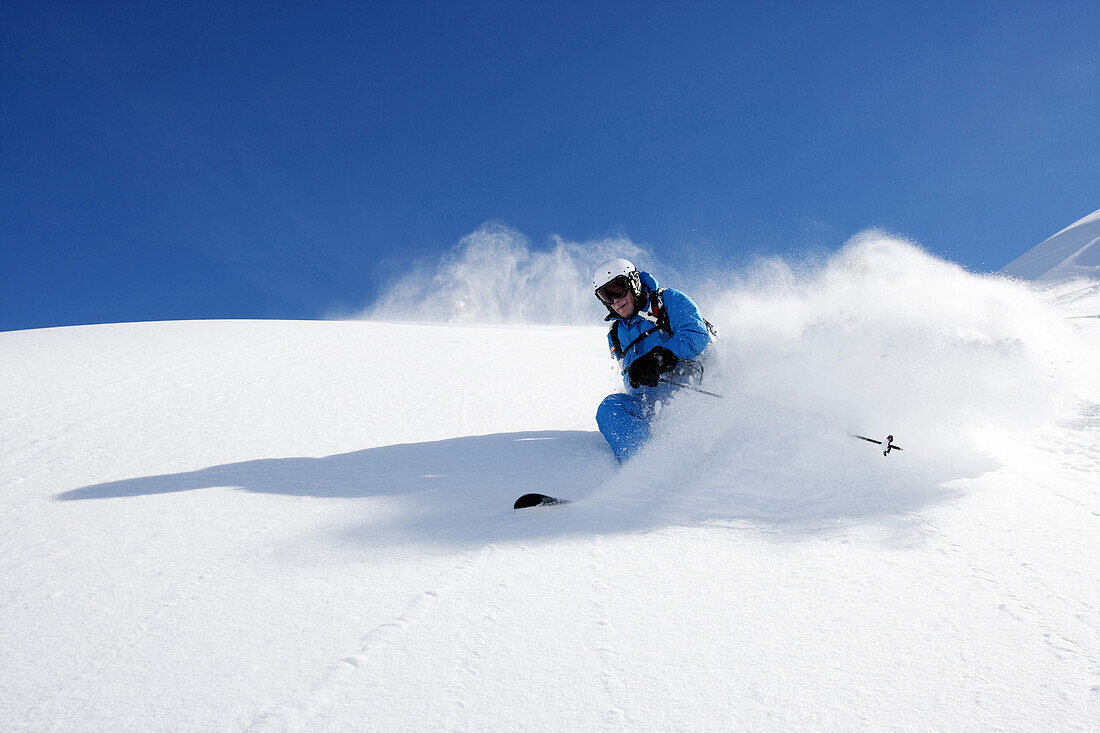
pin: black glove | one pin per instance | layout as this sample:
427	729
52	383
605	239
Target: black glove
646	369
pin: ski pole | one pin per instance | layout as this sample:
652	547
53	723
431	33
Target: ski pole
666	380
889	443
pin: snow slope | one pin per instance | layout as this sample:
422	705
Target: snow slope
1065	267
1072	253
307	526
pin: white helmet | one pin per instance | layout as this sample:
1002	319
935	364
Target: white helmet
610	270
614	270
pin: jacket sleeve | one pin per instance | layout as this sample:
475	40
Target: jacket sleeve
689	332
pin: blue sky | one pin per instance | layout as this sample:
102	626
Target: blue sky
282	160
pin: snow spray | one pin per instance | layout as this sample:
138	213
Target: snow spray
495	275
882	337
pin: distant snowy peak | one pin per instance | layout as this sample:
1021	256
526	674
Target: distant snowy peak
1070	254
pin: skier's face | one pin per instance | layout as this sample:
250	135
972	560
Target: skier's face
624	306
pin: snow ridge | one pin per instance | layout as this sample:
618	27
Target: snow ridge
1071	254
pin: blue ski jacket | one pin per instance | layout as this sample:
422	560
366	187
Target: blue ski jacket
687	335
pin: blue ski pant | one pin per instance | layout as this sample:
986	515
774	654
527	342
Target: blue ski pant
624	418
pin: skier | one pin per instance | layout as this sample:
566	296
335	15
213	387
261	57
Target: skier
657	336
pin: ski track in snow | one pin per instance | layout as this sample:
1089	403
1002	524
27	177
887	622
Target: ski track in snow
311	713
1078	618
616	717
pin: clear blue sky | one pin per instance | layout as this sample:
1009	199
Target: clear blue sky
271	159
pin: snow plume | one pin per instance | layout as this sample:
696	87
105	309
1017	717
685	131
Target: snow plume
494	275
881	338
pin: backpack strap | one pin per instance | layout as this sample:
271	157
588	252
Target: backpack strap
659	315
658	311
616	347
629	346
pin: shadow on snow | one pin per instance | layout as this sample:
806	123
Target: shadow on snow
460	491
462	469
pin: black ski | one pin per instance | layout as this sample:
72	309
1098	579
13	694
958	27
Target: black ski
530	500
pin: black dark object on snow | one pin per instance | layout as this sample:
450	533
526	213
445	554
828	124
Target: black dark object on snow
889	443
530	500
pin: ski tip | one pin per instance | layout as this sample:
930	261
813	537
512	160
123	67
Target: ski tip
530	500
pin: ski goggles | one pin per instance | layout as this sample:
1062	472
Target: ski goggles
613	290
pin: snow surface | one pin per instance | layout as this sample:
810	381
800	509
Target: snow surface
1065	267
1071	254
306	526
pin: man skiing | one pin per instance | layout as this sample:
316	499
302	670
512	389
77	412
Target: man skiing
656	335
